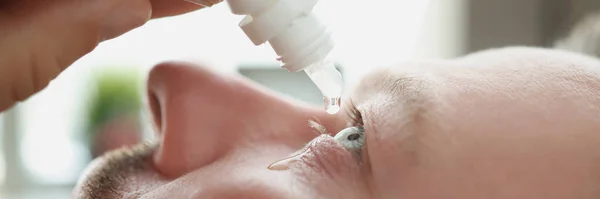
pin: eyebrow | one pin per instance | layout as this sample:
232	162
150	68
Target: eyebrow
107	180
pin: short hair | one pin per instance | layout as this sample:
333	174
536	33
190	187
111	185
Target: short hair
108	180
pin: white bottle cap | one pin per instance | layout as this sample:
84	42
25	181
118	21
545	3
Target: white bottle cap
298	38
290	27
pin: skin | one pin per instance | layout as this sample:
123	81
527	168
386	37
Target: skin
515	122
508	123
42	38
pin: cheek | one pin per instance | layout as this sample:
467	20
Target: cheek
394	154
488	163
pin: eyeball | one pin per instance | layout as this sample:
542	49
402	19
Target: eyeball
352	138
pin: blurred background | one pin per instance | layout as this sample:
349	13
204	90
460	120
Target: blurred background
98	103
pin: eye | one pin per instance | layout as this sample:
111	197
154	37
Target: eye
352	138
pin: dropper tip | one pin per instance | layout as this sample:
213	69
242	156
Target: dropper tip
332	104
333	110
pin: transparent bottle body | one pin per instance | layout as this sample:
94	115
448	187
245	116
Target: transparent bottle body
329	81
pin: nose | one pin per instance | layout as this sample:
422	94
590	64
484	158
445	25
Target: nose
201	115
183	100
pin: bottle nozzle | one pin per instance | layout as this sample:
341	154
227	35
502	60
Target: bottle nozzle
330	83
297	36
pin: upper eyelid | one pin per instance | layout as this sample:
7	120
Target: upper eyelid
354	116
394	94
394	110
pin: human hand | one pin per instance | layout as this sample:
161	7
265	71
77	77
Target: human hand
517	123
39	39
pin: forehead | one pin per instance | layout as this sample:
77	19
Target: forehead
517	78
512	89
516	90
513	111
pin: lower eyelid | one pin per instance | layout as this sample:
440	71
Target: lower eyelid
328	164
327	157
368	124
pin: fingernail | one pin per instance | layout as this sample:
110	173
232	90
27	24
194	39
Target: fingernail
124	17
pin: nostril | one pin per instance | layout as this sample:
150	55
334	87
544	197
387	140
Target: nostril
155	108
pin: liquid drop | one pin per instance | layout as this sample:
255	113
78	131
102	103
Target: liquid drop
332	104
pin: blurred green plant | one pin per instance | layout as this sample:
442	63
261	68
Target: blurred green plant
117	92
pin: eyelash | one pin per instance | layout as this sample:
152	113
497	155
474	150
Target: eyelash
346	137
354	116
355	127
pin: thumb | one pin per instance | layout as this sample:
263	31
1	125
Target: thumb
39	39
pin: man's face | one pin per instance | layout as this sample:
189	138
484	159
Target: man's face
511	123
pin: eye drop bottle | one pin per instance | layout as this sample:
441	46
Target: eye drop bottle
297	36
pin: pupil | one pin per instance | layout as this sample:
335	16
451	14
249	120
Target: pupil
354	136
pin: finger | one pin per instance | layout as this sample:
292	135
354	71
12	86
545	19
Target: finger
165	8
40	41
